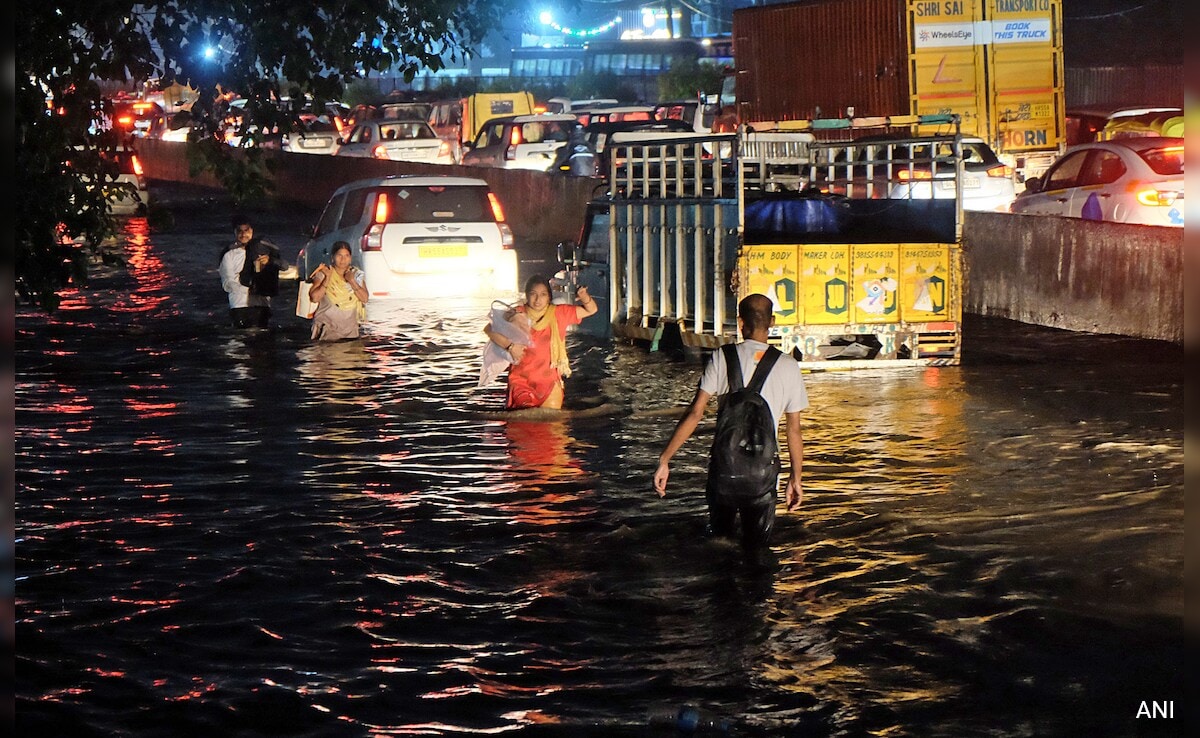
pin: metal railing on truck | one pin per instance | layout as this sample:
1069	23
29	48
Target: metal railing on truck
860	274
674	228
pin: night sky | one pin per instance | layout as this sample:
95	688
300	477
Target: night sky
1122	32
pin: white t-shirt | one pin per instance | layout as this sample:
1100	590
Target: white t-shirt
784	389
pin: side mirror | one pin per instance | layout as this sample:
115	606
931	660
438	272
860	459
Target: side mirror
566	252
1033	184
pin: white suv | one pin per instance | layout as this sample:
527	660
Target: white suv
419	236
521	141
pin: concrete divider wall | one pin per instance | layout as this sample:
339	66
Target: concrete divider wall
541	208
1075	274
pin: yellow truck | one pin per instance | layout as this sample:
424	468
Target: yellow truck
867	277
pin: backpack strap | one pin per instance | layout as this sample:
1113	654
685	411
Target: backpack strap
761	371
733	367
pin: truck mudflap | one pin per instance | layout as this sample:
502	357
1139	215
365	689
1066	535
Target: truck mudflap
847	305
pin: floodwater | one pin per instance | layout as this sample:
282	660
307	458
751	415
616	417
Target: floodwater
225	533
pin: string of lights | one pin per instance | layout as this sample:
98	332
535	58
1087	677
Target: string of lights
547	19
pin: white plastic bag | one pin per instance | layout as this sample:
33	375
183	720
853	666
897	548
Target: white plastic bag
304	306
512	325
509	323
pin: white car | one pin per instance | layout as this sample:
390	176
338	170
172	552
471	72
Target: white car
1126	180
988	184
318	136
172	127
419	236
397	140
121	178
521	141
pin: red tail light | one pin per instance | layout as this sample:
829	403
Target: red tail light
497	211
137	165
379	152
125	121
514	138
372	240
907	174
1000	171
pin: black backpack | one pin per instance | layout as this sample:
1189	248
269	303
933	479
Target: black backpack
745	458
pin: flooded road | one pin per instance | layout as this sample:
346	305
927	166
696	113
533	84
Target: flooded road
229	533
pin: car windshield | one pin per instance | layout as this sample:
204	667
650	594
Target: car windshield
1166	160
405	131
438	204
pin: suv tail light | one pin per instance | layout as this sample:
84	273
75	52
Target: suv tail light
506	235
372	240
379	152
514	140
136	163
1000	171
497	211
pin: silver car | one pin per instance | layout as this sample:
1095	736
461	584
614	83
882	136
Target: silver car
521	141
398	140
988	184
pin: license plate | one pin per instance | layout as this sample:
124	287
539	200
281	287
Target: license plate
442	251
970	182
313	143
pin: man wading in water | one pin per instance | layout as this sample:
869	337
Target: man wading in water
249	271
743	471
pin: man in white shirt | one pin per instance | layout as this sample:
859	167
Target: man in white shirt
786	397
250	285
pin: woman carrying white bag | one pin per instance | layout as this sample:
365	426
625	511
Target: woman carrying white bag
340	295
540	363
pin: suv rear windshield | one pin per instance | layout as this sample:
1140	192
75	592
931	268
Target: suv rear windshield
438	204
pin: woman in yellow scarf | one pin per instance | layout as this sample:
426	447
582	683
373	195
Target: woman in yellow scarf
341	292
536	376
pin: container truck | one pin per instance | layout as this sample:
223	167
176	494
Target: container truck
997	64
